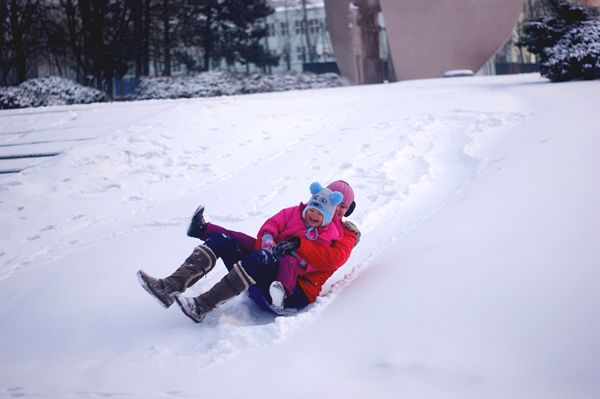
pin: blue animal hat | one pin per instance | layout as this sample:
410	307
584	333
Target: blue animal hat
324	200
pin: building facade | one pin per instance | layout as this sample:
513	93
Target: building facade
297	33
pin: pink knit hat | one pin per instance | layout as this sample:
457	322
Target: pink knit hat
345	189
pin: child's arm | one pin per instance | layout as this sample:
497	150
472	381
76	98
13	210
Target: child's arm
328	258
273	226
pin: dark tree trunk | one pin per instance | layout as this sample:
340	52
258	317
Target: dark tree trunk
307	33
208	36
166	38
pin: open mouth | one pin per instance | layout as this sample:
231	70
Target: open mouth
313	220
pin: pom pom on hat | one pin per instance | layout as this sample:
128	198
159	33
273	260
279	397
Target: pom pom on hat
345	189
324	200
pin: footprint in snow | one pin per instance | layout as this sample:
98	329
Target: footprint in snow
15	392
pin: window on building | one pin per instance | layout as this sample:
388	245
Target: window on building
301	51
284	28
299	27
313	26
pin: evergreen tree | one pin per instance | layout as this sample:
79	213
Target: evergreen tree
199	29
576	55
140	43
94	37
567	42
19	38
241	30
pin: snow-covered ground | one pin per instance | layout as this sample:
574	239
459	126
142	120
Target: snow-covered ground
476	275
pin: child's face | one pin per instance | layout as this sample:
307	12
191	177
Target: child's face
340	210
313	217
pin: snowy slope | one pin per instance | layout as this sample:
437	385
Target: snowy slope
475	276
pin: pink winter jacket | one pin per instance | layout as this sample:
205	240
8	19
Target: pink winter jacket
288	223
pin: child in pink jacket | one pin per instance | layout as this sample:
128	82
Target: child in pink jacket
315	221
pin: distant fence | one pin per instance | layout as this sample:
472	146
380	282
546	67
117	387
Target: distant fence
320	67
509	68
124	86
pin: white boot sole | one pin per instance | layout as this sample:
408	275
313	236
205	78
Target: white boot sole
185	310
148	289
277	293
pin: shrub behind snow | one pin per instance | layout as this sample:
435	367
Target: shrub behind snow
576	55
58	91
567	41
14	97
222	83
53	90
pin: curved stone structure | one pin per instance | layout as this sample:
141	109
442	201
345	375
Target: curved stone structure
339	25
425	37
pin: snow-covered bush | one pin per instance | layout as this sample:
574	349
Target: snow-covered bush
567	42
222	83
14	97
58	91
51	90
576	55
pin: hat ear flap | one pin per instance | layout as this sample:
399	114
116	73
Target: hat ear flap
336	197
315	188
350	209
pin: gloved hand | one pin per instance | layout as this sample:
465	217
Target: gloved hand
352	227
286	247
267	243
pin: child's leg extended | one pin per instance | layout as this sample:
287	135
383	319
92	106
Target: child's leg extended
201	229
244	240
226	248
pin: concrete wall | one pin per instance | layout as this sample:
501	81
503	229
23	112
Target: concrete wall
425	37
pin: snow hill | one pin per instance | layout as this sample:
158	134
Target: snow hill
476	275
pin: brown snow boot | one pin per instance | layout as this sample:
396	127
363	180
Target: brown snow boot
234	283
200	262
